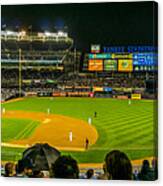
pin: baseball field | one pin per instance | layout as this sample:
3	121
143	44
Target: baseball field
117	125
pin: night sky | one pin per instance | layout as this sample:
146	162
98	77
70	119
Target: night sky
102	23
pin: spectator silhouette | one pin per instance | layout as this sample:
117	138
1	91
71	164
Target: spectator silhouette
104	175
65	167
118	165
10	170
146	173
24	168
20	169
89	174
155	167
37	174
135	174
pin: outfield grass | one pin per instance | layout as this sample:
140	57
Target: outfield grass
120	126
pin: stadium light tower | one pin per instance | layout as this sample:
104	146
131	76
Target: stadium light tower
20	73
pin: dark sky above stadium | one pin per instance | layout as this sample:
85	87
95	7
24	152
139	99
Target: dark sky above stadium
102	23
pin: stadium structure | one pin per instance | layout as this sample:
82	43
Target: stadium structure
33	62
115	85
47	64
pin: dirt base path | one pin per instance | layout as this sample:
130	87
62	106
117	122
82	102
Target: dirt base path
54	130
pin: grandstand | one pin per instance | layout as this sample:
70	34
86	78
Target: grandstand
47	64
33	60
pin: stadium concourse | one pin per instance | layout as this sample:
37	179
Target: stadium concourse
46	73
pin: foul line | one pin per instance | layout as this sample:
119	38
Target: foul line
22	133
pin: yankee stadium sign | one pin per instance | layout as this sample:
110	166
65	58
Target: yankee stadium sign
129	49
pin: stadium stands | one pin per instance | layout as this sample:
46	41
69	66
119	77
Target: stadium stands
47	62
117	167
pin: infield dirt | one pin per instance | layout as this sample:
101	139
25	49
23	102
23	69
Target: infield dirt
54	130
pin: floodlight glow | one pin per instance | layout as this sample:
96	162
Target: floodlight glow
62	34
47	33
40	34
22	33
8	32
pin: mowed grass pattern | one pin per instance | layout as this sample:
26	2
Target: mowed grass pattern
120	126
14	129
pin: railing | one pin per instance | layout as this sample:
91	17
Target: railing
36	38
31	61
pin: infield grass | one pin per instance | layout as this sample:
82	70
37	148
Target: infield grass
14	129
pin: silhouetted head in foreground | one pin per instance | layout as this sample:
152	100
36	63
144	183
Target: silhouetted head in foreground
118	165
145	167
90	173
147	173
9	169
65	167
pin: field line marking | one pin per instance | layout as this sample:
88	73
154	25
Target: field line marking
3	144
22	132
29	129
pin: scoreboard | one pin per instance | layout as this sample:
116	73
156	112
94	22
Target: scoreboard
95	65
110	65
100	56
145	61
123	62
125	65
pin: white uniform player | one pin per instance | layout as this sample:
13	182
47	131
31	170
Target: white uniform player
70	136
48	111
3	110
90	120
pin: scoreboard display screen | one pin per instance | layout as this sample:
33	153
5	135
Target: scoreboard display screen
99	56
123	61
145	61
110	65
95	65
122	56
125	65
144	68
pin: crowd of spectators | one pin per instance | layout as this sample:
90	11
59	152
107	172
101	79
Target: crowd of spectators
48	80
33	55
8	93
11	77
117	166
11	46
115	81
